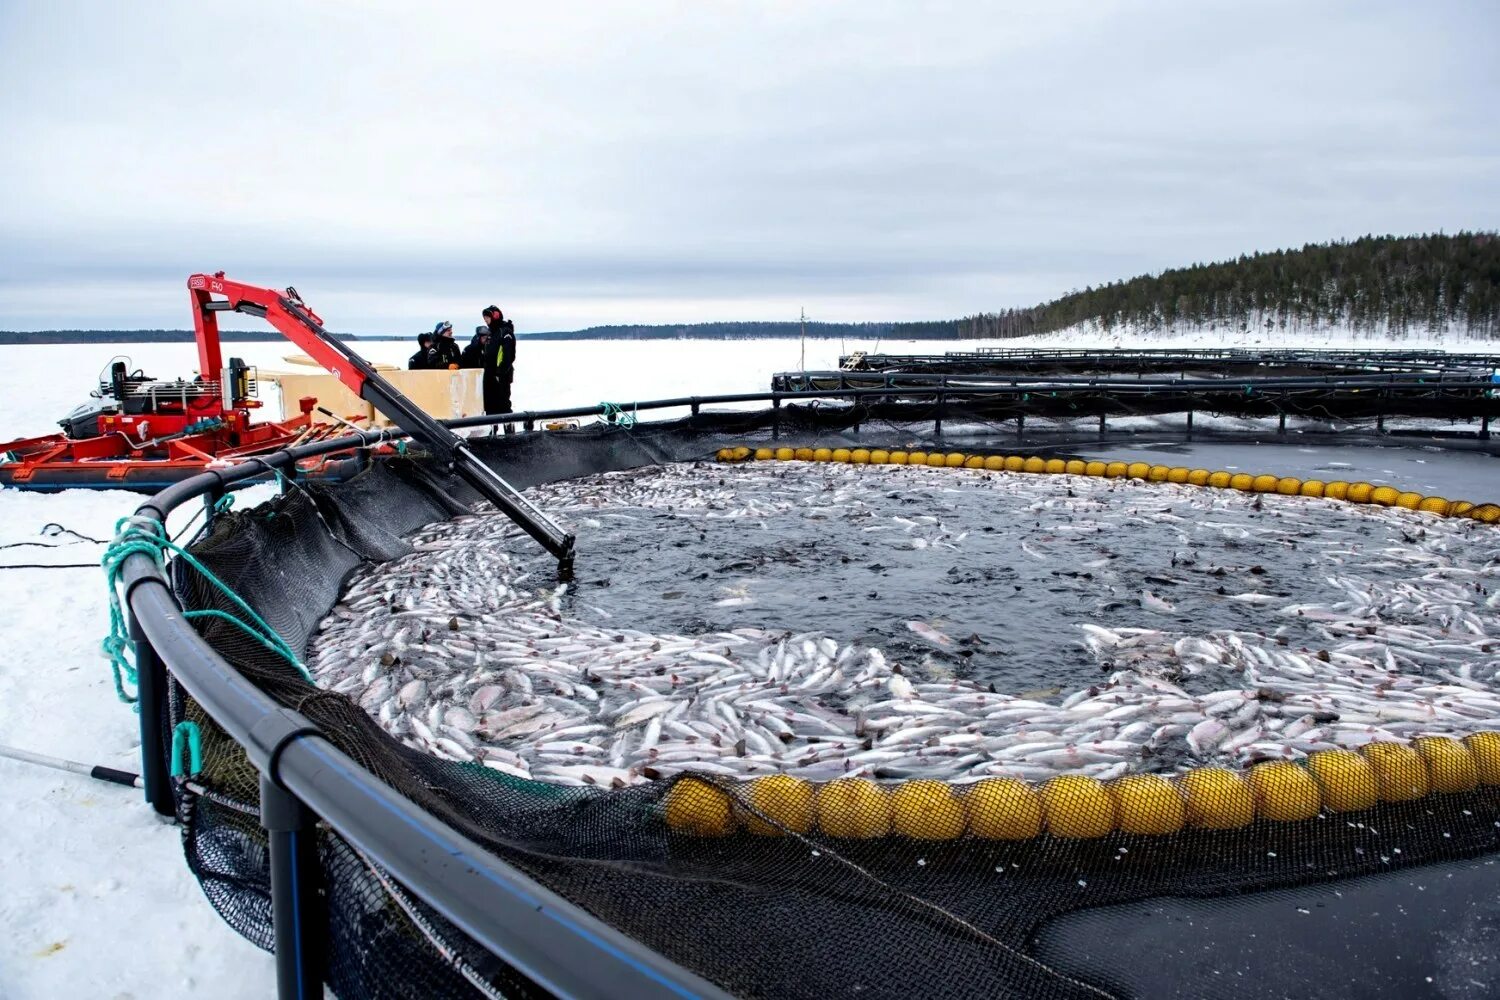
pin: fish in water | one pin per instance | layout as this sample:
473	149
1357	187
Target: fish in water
931	634
459	648
1151	602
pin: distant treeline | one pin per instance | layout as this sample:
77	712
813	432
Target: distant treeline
1379	284
725	331
1383	284
132	336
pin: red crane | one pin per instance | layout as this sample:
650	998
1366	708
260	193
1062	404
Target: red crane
157	432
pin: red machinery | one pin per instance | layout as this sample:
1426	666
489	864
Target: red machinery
154	433
147	433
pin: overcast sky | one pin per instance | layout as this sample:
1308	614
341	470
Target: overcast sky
584	163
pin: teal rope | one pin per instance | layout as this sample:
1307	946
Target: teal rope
625	420
194	740
148	537
224	503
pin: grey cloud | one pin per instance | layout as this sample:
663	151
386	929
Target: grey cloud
667	160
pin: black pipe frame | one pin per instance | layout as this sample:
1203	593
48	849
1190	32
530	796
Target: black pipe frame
558	945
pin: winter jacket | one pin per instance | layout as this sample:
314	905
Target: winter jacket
500	352
473	355
448	352
425	359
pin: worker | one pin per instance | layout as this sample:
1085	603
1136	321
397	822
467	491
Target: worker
426	357
499	361
473	355
447	348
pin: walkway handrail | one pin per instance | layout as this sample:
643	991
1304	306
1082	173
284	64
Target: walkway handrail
555	943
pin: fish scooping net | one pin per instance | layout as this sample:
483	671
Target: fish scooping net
886	805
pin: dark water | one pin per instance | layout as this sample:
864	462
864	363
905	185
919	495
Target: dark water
1011	614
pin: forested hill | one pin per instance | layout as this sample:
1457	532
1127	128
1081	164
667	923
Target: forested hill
1388	284
1377	284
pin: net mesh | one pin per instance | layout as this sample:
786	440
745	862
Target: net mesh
848	889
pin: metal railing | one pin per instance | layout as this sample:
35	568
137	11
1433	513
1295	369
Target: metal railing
306	779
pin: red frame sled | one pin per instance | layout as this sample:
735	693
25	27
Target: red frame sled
193	425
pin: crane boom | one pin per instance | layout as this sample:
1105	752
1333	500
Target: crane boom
298	323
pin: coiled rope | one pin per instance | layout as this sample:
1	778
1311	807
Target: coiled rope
144	536
614	413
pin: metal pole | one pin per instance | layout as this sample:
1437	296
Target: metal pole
210	508
151	690
296	909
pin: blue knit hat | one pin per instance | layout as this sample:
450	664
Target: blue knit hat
442	328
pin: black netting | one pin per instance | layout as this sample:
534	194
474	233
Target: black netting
687	867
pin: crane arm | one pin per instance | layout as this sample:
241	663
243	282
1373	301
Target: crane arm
298	323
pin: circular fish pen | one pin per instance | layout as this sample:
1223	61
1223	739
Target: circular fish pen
840	706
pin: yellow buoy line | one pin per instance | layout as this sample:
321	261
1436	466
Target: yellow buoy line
1075	806
1355	492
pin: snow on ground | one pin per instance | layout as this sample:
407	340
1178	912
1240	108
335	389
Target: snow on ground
1088	335
94	892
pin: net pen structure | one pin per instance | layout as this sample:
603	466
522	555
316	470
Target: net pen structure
382	871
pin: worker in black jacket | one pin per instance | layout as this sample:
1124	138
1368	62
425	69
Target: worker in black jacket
426	357
473	355
499	361
447	348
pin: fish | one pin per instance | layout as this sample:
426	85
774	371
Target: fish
1153	603
1385	639
930	634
